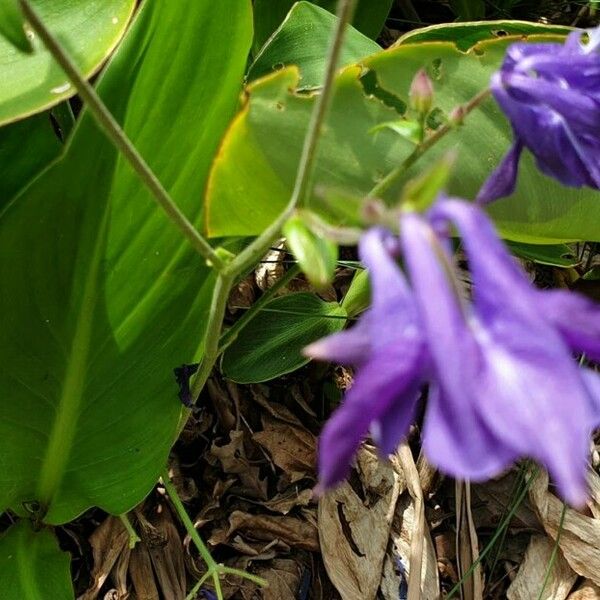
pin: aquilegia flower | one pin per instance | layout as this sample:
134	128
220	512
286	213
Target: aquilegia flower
551	95
502	379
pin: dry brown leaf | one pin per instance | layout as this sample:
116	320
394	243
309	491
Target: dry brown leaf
354	529
142	577
233	459
283	576
167	557
292	448
531	574
588	590
271	267
108	542
283	503
410	541
294	532
580	534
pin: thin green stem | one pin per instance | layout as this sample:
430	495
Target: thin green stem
194	591
239	573
134	538
395	174
248	257
554	552
118	137
213	332
231	334
187	522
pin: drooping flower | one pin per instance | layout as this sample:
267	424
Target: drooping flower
502	379
551	96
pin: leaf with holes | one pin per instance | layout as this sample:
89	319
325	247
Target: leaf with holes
302	40
101	296
272	346
252	178
88	28
32	566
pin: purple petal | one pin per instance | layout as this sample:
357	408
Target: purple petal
591	379
577	319
459	442
350	347
383	384
502	182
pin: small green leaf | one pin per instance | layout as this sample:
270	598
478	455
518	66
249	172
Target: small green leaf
271	345
410	130
358	296
317	256
302	39
32	566
420	193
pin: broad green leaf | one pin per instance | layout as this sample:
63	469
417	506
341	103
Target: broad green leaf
32	566
466	35
252	178
11	25
302	39
358	296
101	296
558	255
90	29
271	344
369	17
26	148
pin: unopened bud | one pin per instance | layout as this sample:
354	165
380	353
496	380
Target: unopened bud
421	92
457	116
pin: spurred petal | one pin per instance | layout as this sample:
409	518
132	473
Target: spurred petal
502	182
591	380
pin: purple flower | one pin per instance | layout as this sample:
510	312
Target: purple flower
551	95
502	379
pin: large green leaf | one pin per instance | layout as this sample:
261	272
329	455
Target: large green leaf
302	39
369	17
90	29
32	566
11	25
271	344
101	296
26	148
252	178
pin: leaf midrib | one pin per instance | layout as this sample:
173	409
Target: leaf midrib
62	435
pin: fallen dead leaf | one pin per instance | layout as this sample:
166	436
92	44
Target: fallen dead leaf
283	576
292	448
531	574
580	535
467	544
588	590
354	527
295	532
108	542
